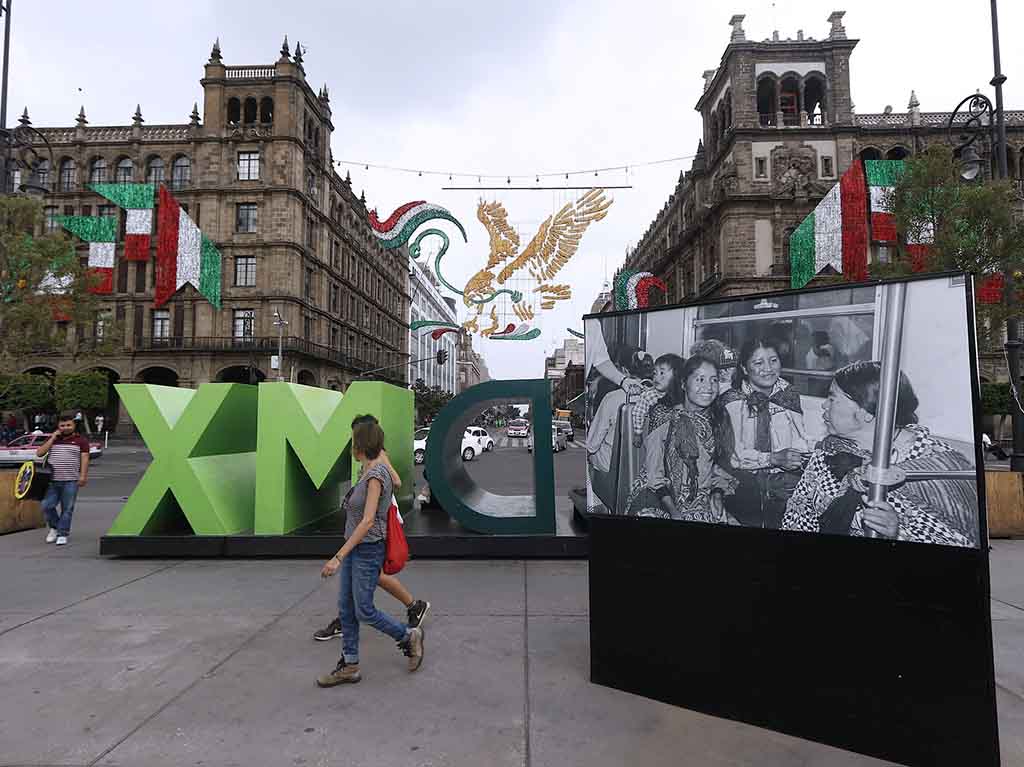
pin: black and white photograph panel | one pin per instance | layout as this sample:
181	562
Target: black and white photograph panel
847	411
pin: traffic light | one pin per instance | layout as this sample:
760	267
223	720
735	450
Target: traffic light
442	356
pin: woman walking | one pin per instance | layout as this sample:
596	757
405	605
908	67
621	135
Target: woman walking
361	558
770	445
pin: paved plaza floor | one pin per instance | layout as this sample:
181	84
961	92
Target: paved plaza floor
150	663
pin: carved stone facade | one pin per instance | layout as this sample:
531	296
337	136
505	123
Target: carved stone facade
263	143
779	131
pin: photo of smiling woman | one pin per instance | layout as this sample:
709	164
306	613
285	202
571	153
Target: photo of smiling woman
770	443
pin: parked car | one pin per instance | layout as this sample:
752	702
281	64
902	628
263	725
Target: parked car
558	442
482	437
566	428
518	427
470	445
24	449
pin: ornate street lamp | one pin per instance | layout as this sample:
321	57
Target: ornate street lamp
26	151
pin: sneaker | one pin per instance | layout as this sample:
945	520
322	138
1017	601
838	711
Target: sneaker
412	648
333	630
343	673
62	540
51	536
417	612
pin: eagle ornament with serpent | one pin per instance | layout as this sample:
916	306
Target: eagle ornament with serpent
550	249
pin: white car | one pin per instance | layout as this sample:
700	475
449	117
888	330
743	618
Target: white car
557	441
24	449
470	445
483	439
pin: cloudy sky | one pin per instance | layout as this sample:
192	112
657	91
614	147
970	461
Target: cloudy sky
493	88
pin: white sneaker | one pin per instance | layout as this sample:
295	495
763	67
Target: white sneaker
51	536
62	540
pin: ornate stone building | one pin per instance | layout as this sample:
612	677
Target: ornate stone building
472	367
428	303
779	129
257	176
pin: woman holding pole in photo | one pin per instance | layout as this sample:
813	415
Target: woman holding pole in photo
681	480
770	445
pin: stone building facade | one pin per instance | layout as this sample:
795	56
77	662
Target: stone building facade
472	367
429	304
257	176
569	353
779	129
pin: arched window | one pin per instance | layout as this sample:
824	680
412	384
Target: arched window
789	100
1011	162
250	110
155	170
316	138
870	153
125	173
68	175
267	110
234	111
98	171
714	135
181	172
897	153
814	99
41	174
767	104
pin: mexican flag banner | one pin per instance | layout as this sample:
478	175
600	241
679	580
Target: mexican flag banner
183	254
883	175
101	234
835	234
137	200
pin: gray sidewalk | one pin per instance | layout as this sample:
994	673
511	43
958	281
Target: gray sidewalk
117	662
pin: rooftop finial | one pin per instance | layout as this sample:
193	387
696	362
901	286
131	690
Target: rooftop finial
362	197
285	53
81	117
738	36
348	177
838	31
215	53
914	103
708	75
195	115
24	118
298	53
137	117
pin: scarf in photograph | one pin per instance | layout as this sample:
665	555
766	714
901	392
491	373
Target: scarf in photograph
759	408
841	456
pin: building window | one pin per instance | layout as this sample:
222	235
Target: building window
245	220
98	171
311	184
155	171
335	337
125	173
266	110
181	173
250	110
352	308
106	211
161	324
310	233
234	111
334	255
307	287
244	321
67	175
245	271
51	218
102	323
248	166
761	167
308	328
335	299
826	167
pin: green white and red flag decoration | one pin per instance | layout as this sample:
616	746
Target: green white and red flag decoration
183	254
137	200
101	234
406	219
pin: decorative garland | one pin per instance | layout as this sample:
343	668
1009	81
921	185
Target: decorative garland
575	333
406	219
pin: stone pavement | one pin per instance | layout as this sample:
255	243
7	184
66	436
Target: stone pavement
122	662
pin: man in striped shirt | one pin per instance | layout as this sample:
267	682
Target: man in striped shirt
69	461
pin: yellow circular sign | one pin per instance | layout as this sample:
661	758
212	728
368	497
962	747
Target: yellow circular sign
23	481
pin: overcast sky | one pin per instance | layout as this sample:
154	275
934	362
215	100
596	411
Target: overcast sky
499	88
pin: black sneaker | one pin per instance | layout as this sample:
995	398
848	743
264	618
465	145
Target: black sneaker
417	612
332	631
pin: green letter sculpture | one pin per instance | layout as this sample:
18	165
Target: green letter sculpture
464	500
203	443
304	439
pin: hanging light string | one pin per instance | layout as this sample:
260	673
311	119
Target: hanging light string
507	177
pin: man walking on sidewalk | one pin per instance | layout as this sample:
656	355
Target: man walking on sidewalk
69	460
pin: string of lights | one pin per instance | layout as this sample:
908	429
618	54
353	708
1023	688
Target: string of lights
509	177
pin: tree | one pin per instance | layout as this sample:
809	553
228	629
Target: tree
43	290
30	393
429	400
81	391
972	227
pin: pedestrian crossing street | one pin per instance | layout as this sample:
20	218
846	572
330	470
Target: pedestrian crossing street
503	442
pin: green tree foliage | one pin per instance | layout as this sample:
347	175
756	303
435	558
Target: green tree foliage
996	399
81	391
974	227
429	400
44	291
28	392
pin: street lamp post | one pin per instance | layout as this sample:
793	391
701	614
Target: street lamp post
280	323
4	160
